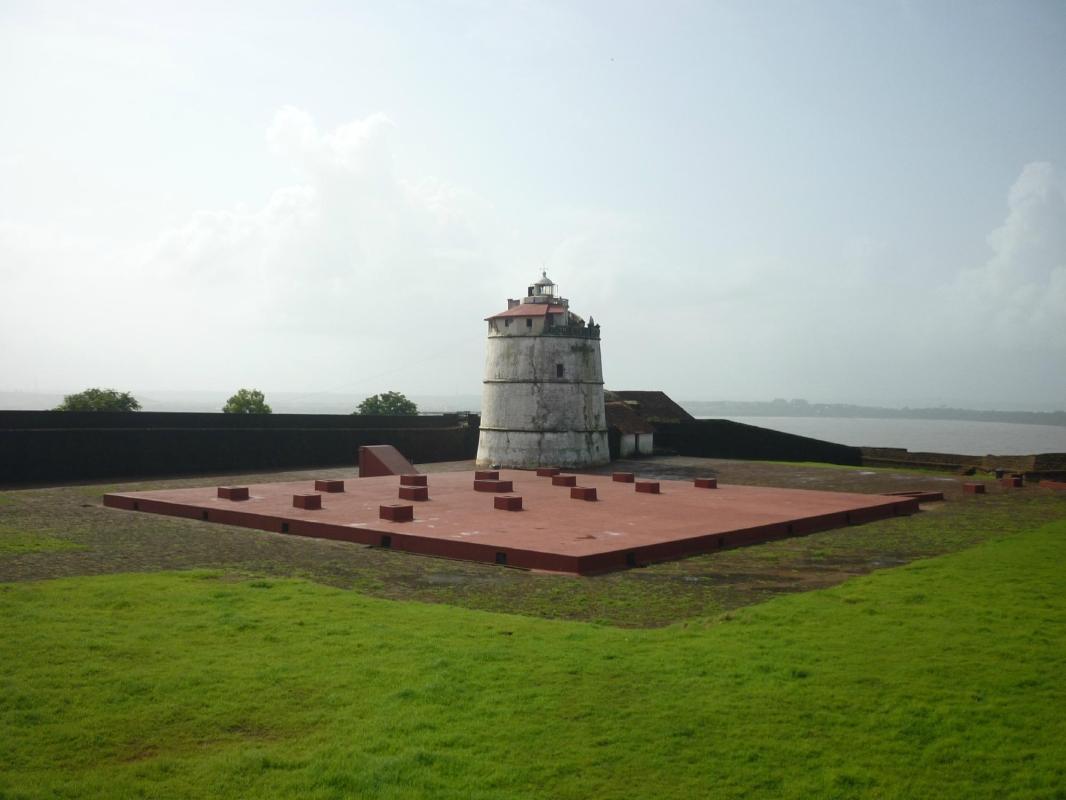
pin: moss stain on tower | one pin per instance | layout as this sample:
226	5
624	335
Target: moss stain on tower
542	403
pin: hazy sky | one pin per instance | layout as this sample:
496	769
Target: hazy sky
853	201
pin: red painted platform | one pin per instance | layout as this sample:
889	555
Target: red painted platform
623	528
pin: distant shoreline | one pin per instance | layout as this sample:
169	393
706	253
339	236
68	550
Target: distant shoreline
800	408
340	403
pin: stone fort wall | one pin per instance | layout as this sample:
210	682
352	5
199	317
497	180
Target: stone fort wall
44	446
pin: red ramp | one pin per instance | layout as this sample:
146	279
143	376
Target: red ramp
383	459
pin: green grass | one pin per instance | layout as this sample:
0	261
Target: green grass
938	679
931	470
16	541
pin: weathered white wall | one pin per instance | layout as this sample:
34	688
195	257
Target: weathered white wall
632	444
529	416
529	450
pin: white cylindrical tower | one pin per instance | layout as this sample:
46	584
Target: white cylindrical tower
542	403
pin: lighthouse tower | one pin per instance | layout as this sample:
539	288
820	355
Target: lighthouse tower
542	403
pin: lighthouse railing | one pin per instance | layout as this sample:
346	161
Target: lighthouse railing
574	331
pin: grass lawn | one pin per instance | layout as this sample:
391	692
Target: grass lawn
942	678
15	541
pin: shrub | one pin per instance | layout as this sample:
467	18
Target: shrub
99	400
389	404
246	401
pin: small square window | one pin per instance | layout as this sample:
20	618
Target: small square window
529	323
558	370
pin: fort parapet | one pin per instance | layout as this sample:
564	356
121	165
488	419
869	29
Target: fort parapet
41	446
1040	465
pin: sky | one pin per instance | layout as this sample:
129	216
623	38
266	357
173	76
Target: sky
857	202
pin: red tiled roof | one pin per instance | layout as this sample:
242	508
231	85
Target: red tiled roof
529	310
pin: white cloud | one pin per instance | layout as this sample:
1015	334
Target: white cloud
861	323
1019	295
354	270
354	147
372	235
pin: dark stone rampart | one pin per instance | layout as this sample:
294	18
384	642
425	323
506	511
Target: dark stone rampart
42	446
27	420
722	438
1042	465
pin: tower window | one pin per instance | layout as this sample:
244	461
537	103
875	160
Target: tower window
558	370
507	323
529	322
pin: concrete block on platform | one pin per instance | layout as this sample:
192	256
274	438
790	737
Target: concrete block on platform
507	502
493	486
414	493
396	512
308	502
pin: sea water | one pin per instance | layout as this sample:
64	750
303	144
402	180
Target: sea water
928	435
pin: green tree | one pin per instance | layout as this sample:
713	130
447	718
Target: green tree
99	400
246	401
390	404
